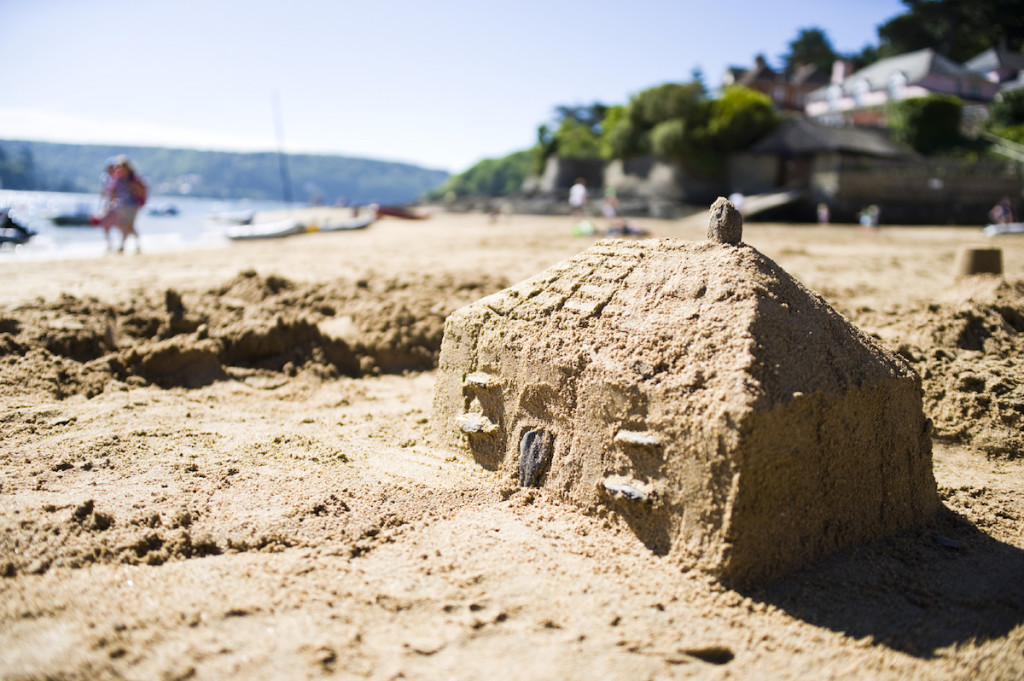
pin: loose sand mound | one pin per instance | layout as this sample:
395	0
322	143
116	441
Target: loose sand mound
968	346
249	328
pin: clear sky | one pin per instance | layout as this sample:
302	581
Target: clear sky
442	84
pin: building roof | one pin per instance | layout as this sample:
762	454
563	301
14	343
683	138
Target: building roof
809	74
996	58
803	136
733	75
760	73
914	67
1015	84
801	75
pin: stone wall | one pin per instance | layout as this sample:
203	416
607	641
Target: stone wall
910	191
918	192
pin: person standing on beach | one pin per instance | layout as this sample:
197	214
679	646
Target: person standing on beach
578	197
125	194
108	218
1002	212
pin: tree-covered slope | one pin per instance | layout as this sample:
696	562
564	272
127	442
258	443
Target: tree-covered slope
217	174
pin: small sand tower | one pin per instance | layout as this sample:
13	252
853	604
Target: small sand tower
730	415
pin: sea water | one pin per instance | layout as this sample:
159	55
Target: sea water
193	226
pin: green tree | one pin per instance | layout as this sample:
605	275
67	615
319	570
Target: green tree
1006	116
590	116
675	140
490	177
678	122
544	148
616	131
725	125
1008	109
577	140
958	29
811	46
926	124
631	132
869	54
687	101
577	134
739	118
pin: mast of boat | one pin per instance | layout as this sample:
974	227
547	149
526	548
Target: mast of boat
286	183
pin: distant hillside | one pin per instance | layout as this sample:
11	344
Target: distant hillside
46	166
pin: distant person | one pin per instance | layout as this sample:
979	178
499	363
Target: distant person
578	197
610	207
125	194
625	227
869	218
494	211
108	216
823	214
1002	212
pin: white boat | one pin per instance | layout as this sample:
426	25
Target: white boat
232	217
276	229
265	230
340	225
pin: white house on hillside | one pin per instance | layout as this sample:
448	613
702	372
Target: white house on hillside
860	98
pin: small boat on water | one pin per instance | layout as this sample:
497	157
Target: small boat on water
72	220
232	217
80	216
162	210
11	232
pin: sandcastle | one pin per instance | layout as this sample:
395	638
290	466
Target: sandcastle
734	419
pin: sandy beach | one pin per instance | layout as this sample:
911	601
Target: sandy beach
219	464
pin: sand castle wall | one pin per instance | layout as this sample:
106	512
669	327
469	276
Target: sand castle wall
729	415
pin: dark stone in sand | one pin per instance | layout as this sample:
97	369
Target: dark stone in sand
534	457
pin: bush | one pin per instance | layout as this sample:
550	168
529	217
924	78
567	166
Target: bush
665	102
1014	133
617	133
576	140
739	118
1008	109
926	124
490	177
669	139
684	127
